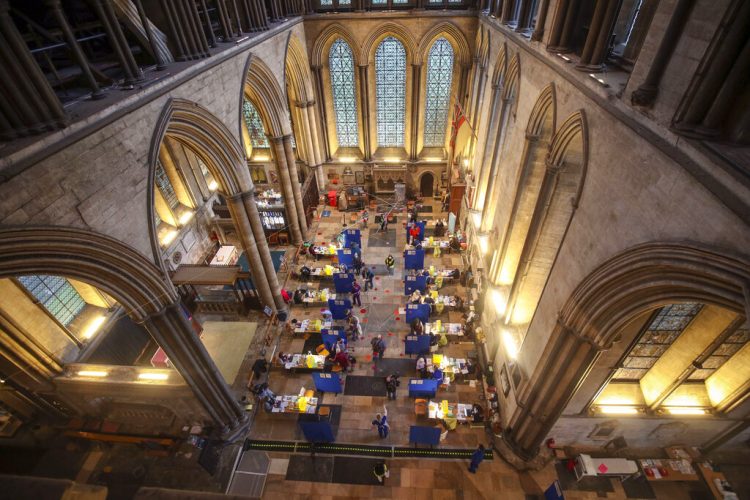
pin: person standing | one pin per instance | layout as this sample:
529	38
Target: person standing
365	218
357	263
390	263
391	384
378	348
414	233
476	459
381	472
369	276
381	421
356	289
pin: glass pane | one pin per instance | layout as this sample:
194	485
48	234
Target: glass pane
341	67
326	3
438	96
254	124
56	294
165	186
390	92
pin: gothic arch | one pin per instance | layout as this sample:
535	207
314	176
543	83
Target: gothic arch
262	88
297	69
100	260
484	52
451	33
512	81
544	113
323	44
637	280
384	30
501	66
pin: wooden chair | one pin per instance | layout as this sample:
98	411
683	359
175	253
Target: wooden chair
420	407
324	412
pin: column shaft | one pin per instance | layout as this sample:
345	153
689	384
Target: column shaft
365	101
291	164
540	21
416	88
160	65
493	125
175	30
318	71
285	182
114	40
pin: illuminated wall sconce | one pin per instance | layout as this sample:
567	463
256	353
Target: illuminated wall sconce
93	326
153	376
466	162
601	81
92	373
510	344
498	299
261	158
166	233
347	159
484	242
476	218
619	410
184	214
433	159
212	184
392	159
685	410
564	57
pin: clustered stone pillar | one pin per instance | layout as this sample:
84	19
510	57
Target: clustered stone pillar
285	181
542	398
291	165
489	202
318	72
28	105
597	40
310	132
493	140
172	331
363	84
156	51
117	39
186	31
540	21
416	86
646	93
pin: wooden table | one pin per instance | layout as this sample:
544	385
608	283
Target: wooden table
708	474
659	470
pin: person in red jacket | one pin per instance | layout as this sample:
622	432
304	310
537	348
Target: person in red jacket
414	233
343	360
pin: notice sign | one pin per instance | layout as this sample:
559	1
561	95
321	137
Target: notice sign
602	469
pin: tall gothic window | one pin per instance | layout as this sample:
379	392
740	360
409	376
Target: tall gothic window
255	129
165	186
390	92
438	96
56	294
341	67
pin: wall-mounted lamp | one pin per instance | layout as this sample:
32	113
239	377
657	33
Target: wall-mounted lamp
686	410
476	218
261	158
184	214
153	376
212	184
347	159
618	410
484	242
93	326
92	373
166	233
392	159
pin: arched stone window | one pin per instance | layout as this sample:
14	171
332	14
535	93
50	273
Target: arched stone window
390	92
57	296
254	124
438	92
341	67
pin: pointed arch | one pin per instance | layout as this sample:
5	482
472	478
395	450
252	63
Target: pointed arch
94	258
501	66
450	32
367	56
484	52
322	45
512	79
539	133
297	69
262	88
556	203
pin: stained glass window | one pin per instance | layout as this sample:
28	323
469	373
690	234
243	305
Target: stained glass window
438	94
341	67
255	129
165	186
56	294
390	92
664	329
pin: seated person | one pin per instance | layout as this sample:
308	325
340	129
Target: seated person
455	245
456	273
285	358
304	272
415	297
286	296
312	252
416	327
477	413
422	367
299	295
434	339
443	340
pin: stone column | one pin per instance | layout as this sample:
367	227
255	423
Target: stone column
296	190
175	335
489	202
117	40
597	41
365	102
542	398
56	7
416	85
319	91
497	12
559	40
243	223
541	19
30	107
315	162
160	64
264	253
646	92
285	182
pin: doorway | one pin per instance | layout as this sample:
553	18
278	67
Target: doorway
426	185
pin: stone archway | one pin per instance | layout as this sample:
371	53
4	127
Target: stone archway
637	280
140	287
427	185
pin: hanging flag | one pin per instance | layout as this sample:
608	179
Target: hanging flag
460	131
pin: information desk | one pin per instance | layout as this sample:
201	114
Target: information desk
311	326
328	251
710	476
323	273
316	296
419	434
451	367
417	344
327	382
456	329
433	243
589	466
668	470
305	361
422	388
459	411
295	404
